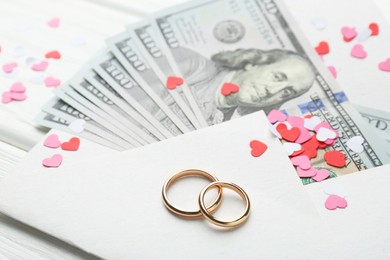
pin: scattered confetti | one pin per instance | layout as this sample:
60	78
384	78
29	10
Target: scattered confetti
322	48
173	82
302	161
53	162
9	67
358	51
319	23
289	135
321	175
374	27
356	144
276	116
333	71
324	134
363	34
52	82
53	55
52	141
72	145
258	148
312	122
349	33
295	121
41	66
229	88
54	22
18	87
291	148
335	158
6	98
385	65
333	202
77	126
311	172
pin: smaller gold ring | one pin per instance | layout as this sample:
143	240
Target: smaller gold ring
186	173
211	218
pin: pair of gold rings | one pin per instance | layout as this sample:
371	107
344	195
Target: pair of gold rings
206	211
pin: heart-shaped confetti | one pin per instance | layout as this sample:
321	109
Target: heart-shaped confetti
349	33
333	71
374	29
77	126
322	124
54	22
17	96
358	51
229	88
296	121
52	82
291	148
319	23
363	34
6	97
333	202
321	175
72	145
306	173
302	161
356	144
53	162
335	158
324	133
276	116
18	87
258	148
385	65
304	136
173	82
42	66
52	141
335	189
322	48
9	67
53	55
312	122
290	135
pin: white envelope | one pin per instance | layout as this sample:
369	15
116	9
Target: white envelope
112	207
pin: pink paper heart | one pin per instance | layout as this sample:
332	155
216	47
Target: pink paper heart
9	67
296	121
385	65
276	116
348	33
321	175
6	98
306	173
53	162
17	96
42	66
333	202
358	51
18	87
301	161
333	71
54	22
304	136
52	141
52	82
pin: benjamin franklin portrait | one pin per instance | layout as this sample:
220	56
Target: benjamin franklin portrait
267	79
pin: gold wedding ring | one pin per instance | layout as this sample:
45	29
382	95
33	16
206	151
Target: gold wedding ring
206	211
211	218
187	173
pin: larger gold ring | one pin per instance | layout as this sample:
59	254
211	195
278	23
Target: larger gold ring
211	218
186	173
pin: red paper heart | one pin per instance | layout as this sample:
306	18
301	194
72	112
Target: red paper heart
322	48
290	135
374	29
310	147
335	158
53	55
258	148
229	88
72	145
173	82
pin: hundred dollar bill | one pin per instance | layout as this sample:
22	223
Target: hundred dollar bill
88	95
90	113
60	109
55	122
378	119
149	44
110	69
255	45
128	53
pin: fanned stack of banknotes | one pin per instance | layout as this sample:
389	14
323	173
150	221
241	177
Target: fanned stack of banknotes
163	77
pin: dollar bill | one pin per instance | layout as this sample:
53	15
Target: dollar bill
149	44
110	69
128	53
255	45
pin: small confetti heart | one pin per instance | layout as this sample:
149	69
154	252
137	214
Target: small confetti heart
363	34
319	23
374	29
321	175
306	173
53	162
310	147
290	148
258	148
9	67
52	82
6	98
333	202
385	65
302	161
53	55
296	121
77	126
335	189
173	82
358	51
42	66
322	48
18	87
335	158
356	144
72	145
333	71
17	96
276	116
229	88
325	133
312	122
52	141
54	22
304	136
290	134
349	33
